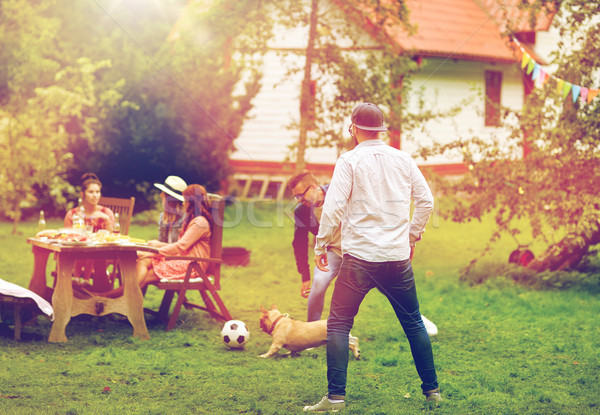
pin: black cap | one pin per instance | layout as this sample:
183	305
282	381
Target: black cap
369	117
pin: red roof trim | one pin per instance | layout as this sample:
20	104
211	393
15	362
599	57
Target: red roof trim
273	168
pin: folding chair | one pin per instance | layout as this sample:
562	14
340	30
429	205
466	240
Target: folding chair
207	283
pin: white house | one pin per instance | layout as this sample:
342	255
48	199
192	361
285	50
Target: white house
463	57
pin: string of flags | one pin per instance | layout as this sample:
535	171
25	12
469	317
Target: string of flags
540	76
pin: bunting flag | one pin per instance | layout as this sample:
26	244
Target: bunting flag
583	95
566	89
541	81
530	66
576	89
540	76
536	72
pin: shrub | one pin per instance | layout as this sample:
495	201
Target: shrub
587	277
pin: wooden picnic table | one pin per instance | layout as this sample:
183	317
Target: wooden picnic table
66	305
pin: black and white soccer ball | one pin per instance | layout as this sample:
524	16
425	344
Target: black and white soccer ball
235	334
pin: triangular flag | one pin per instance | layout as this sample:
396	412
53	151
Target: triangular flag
559	84
536	72
524	60
592	94
566	88
530	66
539	83
583	95
575	89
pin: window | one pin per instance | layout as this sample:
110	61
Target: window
493	86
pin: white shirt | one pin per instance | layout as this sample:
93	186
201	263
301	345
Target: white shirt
370	195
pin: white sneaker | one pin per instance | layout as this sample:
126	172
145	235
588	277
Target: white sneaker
325	406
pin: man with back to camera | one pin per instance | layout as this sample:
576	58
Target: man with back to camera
307	215
370	196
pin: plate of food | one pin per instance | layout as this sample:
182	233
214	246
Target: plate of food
105	237
73	242
48	234
64	236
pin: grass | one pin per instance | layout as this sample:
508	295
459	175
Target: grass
501	348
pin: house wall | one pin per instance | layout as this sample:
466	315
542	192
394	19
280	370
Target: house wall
273	123
272	128
443	84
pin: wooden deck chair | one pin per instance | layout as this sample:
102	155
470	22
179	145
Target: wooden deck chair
208	284
124	207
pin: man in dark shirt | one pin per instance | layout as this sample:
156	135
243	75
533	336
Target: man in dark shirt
307	216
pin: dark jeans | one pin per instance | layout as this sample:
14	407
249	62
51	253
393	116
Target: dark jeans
395	280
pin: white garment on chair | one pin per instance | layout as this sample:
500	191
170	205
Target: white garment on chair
14	290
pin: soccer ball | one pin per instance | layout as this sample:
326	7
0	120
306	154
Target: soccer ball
235	334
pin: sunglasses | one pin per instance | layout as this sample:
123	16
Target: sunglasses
301	195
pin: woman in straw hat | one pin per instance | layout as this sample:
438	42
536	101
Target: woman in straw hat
194	240
171	218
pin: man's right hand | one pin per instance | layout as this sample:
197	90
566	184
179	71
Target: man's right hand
322	262
305	290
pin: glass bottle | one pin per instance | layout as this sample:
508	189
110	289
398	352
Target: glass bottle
81	215
76	218
117	225
41	222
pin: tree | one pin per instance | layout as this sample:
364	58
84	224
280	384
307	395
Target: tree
191	95
40	100
335	55
152	106
555	187
306	101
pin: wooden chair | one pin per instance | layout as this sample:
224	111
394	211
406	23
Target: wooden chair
124	207
207	283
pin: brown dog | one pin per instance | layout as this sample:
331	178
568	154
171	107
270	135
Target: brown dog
296	335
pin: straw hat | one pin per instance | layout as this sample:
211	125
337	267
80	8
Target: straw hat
173	186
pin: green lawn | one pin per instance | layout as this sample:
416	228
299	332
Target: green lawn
501	349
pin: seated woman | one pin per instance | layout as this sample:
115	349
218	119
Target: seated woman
96	216
194	240
171	218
